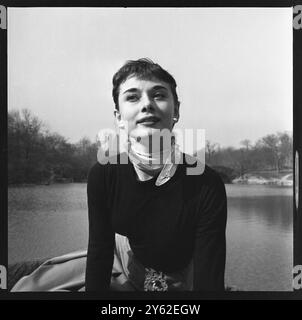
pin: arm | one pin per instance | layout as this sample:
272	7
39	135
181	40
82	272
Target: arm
101	236
210	242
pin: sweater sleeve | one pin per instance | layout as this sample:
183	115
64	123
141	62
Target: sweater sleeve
101	235
210	240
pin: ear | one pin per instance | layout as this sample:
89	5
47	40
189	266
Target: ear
117	114
176	109
118	118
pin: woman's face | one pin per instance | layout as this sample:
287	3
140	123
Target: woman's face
146	106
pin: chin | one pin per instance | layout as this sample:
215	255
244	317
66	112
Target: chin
143	132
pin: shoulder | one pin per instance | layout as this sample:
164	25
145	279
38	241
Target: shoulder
210	192
197	172
96	172
106	171
206	187
96	179
212	177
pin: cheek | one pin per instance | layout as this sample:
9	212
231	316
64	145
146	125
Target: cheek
127	113
168	112
130	120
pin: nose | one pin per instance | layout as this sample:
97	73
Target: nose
147	104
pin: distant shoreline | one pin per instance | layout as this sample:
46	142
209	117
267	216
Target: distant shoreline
14	185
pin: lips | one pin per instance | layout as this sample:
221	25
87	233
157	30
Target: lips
149	119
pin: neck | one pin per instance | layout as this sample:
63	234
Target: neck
152	145
148	164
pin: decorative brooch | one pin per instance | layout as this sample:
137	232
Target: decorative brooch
154	281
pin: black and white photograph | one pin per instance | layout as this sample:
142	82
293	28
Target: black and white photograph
99	199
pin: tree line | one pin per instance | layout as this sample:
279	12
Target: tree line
36	155
272	154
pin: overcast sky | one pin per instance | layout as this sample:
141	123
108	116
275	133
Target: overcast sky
233	66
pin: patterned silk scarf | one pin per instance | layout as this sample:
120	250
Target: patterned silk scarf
165	161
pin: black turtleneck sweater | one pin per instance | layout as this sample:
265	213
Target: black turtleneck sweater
166	225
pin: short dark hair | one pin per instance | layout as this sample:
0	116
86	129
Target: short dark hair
145	69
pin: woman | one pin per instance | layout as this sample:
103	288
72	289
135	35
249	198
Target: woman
152	227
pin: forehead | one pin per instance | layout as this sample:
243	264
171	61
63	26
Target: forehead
142	84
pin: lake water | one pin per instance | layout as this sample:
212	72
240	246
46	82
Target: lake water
46	221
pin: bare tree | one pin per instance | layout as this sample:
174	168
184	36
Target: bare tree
286	149
246	143
271	142
210	150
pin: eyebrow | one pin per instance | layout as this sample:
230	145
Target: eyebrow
158	87
130	90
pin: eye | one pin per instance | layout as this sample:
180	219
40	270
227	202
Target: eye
132	97
159	95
